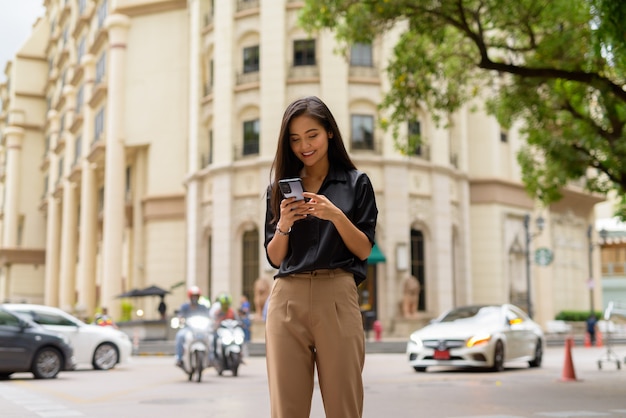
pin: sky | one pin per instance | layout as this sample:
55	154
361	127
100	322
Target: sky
16	21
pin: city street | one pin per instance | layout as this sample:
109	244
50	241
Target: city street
152	387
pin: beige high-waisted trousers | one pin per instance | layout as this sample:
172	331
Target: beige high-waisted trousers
314	320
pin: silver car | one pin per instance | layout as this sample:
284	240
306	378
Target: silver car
96	346
485	336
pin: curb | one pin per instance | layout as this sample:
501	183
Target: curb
166	347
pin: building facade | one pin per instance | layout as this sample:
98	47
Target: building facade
139	149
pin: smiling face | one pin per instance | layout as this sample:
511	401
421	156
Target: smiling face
309	141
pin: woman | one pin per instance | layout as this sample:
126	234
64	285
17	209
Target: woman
320	246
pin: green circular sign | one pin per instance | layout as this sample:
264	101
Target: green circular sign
543	256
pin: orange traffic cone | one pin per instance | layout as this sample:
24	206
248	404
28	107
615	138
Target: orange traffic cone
568	375
587	340
598	339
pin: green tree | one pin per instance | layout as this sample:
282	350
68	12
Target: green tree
555	66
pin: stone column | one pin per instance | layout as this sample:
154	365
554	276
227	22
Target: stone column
192	157
13	144
67	271
51	295
86	274
115	161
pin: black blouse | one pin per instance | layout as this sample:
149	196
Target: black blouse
315	243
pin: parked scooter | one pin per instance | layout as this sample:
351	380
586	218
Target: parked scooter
228	346
196	345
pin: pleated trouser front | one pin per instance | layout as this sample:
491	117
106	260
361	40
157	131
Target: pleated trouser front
314	320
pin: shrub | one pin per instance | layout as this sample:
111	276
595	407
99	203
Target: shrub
127	311
575	316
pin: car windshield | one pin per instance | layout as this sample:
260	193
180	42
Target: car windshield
44	318
476	313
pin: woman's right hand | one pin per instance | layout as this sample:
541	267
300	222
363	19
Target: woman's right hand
291	210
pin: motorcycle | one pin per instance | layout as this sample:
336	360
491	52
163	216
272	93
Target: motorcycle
228	346
196	345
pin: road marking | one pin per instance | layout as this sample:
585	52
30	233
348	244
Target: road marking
36	404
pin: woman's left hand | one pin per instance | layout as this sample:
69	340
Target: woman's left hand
320	206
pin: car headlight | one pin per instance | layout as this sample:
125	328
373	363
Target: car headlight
417	341
478	339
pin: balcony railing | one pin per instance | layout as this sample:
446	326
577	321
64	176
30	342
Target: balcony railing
304	71
614	269
247	4
247	78
363	72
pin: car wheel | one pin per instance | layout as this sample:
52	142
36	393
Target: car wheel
498	357
536	362
105	357
47	363
419	369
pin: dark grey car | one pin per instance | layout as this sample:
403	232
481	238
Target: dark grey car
27	347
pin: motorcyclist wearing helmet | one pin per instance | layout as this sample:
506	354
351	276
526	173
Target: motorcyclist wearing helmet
188	309
221	310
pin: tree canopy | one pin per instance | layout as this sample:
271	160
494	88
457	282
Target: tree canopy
556	66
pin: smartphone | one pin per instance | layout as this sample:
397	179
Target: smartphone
291	188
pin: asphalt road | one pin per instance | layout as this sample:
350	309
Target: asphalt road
152	387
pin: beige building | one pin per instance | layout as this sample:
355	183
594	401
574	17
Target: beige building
138	135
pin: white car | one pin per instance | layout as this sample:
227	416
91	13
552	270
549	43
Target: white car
485	336
97	346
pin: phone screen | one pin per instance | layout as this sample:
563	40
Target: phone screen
292	188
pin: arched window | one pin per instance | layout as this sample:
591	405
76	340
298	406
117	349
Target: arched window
417	265
250	261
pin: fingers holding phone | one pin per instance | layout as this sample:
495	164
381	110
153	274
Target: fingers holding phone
292	210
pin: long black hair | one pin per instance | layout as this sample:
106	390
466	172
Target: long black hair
286	164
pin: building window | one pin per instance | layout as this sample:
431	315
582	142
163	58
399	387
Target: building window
207	158
102	13
101	200
79	99
100	68
63	78
250	261
415	133
60	170
251	59
504	136
251	135
361	55
417	265
304	52
81	49
99	124
78	145
20	232
61	124
128	184
362	132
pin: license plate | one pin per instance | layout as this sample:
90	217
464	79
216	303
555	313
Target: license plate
442	355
